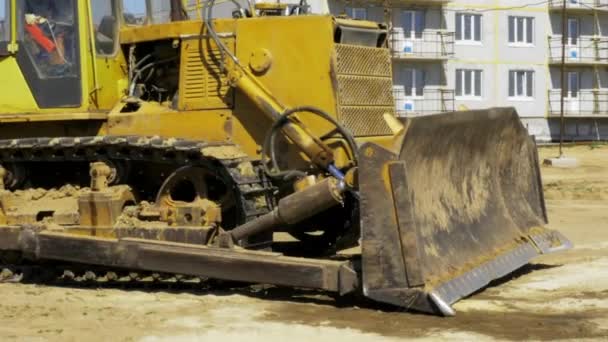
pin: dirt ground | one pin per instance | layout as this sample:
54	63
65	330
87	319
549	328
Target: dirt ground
561	296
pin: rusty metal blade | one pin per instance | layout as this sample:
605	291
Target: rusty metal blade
461	205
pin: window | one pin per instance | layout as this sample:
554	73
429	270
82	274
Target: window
50	37
468	27
161	11
5	25
521	83
106	27
413	82
49	51
134	12
573	85
573	31
413	24
521	30
359	13
468	83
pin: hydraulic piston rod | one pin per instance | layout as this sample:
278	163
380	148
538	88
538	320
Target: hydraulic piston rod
294	208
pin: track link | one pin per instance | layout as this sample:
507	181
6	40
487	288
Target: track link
248	181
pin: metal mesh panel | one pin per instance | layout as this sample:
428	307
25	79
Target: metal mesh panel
366	121
363	90
364	87
361	60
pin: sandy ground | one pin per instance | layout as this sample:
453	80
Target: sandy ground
561	296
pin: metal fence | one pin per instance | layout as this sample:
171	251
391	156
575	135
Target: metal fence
593	50
432	101
589	102
426	44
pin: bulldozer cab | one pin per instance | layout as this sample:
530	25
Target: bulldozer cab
60	56
44	41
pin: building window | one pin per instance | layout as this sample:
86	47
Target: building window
468	27
521	84
413	81
468	83
573	85
521	30
413	24
573	31
358	13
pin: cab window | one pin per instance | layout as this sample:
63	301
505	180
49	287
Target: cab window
49	53
139	12
5	25
161	11
106	27
135	12
49	34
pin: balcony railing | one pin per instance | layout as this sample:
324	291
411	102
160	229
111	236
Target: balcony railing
587	50
432	101
584	103
601	5
424	45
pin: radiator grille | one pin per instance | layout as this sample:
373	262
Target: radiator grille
365	121
365	91
202	84
361	60
364	82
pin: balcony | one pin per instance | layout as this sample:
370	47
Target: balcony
585	103
587	50
427	45
579	5
432	101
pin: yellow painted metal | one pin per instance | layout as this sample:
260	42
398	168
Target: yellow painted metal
202	83
300	75
303	72
154	119
15	94
172	30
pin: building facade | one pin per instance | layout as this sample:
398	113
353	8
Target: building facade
459	55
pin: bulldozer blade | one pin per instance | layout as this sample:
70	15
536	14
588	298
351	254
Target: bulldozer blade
459	206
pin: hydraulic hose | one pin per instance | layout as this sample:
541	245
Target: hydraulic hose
269	151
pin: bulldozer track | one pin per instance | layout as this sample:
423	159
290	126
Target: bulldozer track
249	186
178	152
99	277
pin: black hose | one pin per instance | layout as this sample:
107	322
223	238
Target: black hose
269	151
141	61
208	10
139	72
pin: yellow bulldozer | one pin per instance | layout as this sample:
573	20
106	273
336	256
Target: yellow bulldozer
259	148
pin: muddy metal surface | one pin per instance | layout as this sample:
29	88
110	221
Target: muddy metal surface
563	296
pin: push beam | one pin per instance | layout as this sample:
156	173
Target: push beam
168	257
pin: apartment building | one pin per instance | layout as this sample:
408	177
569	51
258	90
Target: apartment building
458	55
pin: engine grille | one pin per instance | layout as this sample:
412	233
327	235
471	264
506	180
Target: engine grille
364	89
202	83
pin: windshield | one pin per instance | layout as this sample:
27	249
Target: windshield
50	37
